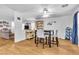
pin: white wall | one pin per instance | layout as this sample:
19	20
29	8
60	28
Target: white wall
61	24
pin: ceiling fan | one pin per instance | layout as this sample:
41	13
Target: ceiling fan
46	12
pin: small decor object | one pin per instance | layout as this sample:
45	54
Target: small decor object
54	21
64	5
49	23
1	25
1	22
4	24
18	18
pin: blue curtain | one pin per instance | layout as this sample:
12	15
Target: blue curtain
74	32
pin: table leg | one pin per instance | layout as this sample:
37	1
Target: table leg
50	39
49	43
35	37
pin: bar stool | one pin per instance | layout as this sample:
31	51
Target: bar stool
54	38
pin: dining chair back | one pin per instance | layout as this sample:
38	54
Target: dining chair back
40	37
40	33
54	35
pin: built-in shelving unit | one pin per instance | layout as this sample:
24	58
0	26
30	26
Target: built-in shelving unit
5	30
68	33
39	24
4	24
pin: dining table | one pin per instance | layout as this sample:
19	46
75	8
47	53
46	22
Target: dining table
46	32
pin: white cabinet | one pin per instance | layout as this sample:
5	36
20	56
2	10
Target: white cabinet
30	34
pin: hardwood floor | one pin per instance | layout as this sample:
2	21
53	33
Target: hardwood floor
28	47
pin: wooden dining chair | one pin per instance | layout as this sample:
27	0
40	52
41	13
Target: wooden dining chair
40	37
46	36
54	40
56	37
52	35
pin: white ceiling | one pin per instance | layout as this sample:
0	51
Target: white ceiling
34	10
55	8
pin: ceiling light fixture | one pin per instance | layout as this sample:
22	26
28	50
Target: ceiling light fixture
45	12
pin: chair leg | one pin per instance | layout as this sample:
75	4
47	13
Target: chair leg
43	43
57	42
52	39
46	40
37	42
35	37
40	40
